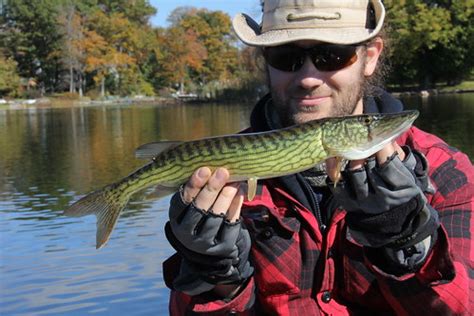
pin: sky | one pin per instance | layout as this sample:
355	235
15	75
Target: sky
231	7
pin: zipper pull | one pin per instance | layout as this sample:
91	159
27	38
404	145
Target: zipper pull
323	228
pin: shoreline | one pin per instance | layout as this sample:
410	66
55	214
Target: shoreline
429	92
51	102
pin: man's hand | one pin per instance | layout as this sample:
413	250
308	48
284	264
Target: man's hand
384	198
210	192
381	156
205	230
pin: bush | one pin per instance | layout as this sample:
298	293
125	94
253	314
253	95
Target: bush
10	82
66	96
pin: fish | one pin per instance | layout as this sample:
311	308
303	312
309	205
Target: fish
248	157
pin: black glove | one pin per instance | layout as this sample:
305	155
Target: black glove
214	251
385	204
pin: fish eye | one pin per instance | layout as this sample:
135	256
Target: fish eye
367	120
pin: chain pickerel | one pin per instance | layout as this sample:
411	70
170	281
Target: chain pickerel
248	157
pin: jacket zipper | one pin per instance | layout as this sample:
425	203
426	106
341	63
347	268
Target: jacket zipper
315	205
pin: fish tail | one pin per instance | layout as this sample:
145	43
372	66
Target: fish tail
106	205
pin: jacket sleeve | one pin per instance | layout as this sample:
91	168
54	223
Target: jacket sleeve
444	284
206	303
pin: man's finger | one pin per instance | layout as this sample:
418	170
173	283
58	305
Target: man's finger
197	181
235	207
386	152
356	164
224	199
206	198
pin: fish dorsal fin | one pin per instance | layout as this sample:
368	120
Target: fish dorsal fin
151	150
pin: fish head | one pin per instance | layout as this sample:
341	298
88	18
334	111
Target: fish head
360	136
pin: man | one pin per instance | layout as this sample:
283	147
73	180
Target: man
393	237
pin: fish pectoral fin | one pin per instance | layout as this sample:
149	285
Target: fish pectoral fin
151	150
336	172
251	188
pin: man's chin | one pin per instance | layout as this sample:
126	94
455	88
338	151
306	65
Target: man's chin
293	113
303	117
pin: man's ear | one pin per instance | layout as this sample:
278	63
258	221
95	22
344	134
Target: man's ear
374	49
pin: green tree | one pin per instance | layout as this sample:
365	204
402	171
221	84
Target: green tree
157	62
432	41
31	37
49	40
9	79
136	11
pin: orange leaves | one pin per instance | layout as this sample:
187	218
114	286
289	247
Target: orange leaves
198	47
183	53
108	44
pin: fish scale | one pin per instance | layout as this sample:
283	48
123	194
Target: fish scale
248	157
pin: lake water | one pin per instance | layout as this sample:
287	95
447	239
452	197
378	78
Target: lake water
50	157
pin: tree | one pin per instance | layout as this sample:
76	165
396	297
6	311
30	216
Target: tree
198	49
9	79
116	50
136	11
32	39
51	40
432	40
213	30
73	56
183	54
155	64
179	13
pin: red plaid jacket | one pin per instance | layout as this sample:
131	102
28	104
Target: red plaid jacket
300	270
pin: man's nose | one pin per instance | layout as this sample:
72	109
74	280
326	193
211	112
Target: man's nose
309	77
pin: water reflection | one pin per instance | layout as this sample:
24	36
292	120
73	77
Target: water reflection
49	265
447	116
85	147
49	157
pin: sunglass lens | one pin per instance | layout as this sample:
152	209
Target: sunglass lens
325	57
285	57
333	57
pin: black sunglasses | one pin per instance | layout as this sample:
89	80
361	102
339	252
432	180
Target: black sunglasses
325	57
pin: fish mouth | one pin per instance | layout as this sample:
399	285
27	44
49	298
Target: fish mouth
380	139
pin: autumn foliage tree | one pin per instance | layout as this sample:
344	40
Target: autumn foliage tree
181	57
109	47
200	48
73	55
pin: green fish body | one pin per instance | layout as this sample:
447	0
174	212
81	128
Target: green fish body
248	157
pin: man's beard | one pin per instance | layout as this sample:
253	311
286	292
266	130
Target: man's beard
344	102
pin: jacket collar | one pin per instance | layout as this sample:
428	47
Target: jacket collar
382	102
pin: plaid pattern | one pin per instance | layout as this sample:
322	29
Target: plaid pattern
300	270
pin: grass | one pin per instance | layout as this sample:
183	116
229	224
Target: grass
465	85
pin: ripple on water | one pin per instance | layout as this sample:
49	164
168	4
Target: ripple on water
49	264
